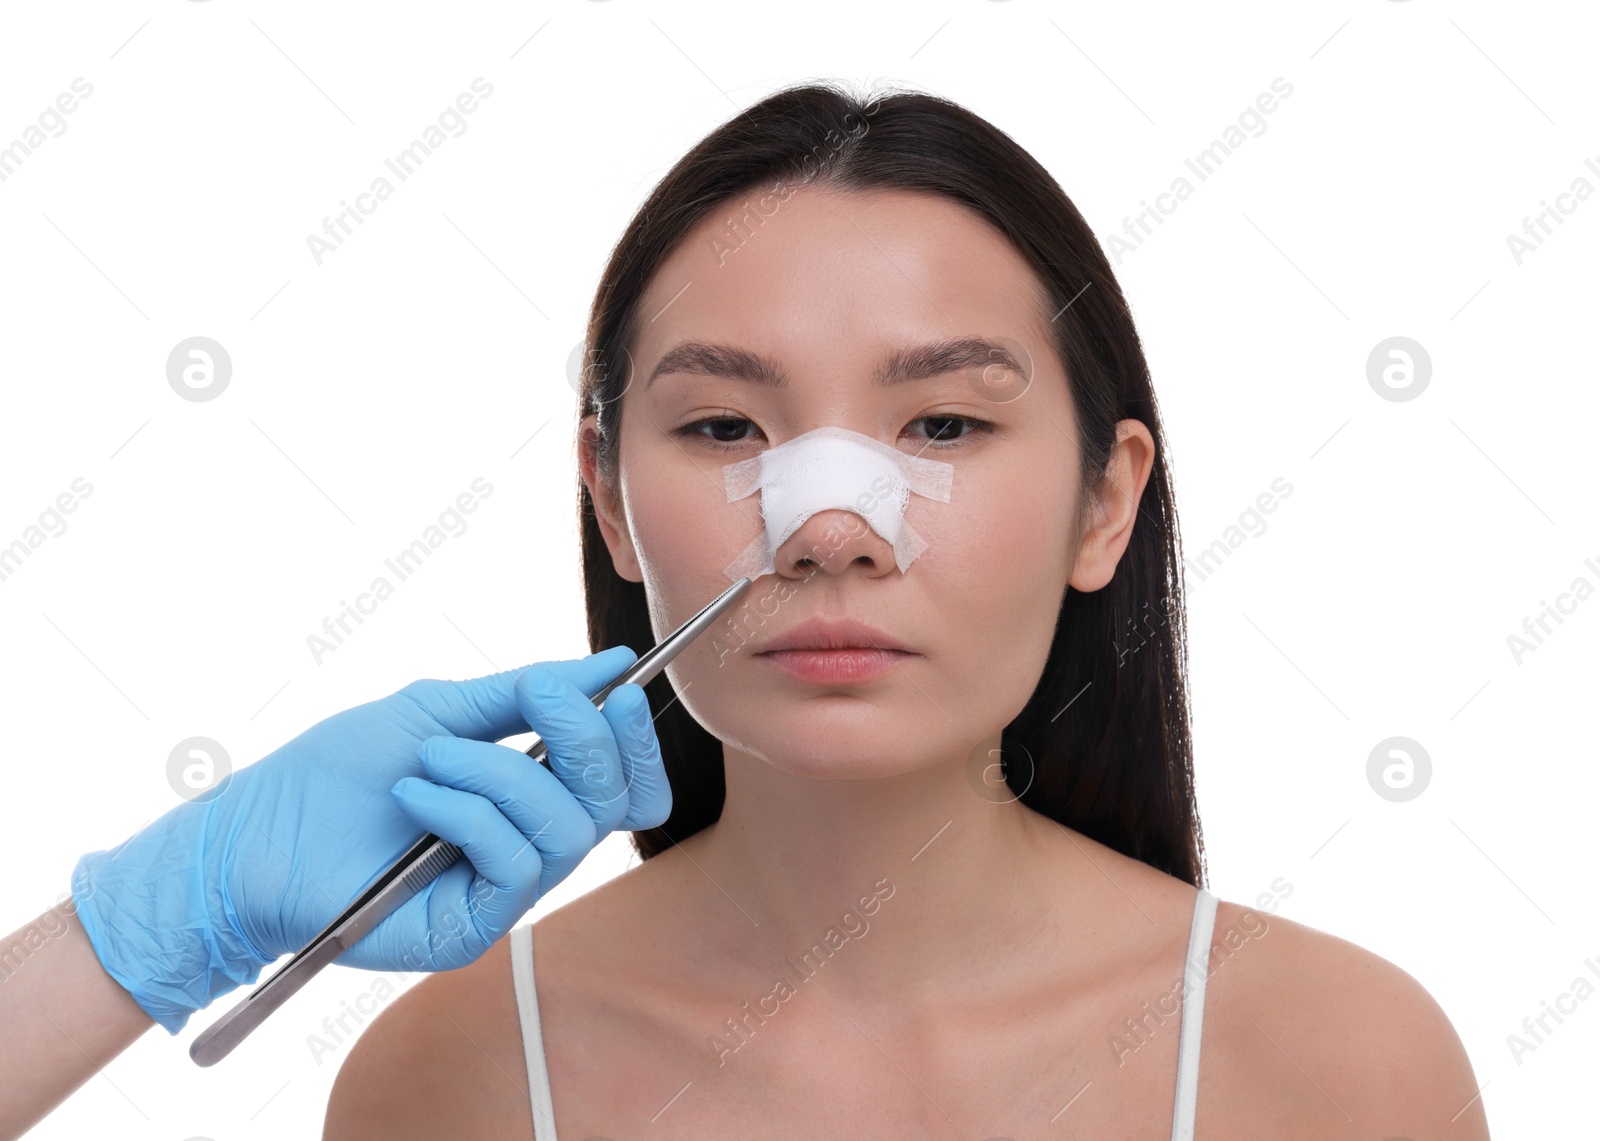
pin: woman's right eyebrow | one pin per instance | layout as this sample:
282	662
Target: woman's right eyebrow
710	359
913	362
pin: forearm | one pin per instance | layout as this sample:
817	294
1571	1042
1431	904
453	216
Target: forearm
62	1017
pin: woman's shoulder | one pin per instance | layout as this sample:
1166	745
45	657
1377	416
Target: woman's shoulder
447	1057
1302	1031
443	1057
1344	1039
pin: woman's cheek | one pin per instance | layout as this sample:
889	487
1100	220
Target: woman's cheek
1025	509
681	528
974	539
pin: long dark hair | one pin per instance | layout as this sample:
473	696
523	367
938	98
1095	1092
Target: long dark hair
1103	745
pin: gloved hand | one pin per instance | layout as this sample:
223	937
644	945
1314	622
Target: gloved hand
199	901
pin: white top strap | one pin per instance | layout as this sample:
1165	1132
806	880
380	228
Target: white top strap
1196	966
544	1118
1196	969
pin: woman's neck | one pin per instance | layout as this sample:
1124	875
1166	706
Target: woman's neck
920	874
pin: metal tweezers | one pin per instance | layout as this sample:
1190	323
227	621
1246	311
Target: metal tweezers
426	859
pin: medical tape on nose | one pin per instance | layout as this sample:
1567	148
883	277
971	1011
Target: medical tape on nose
833	468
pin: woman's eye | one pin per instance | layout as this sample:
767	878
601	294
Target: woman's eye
944	431
722	423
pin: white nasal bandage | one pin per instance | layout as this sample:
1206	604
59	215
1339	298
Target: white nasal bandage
830	468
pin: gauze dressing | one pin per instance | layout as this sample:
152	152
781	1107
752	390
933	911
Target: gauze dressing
828	468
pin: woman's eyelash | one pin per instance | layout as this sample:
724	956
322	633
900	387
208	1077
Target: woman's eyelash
694	429
973	422
938	440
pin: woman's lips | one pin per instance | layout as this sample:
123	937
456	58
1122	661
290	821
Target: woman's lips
833	666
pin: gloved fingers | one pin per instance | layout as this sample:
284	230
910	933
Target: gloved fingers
509	866
487	708
580	746
435	930
495	846
525	792
627	710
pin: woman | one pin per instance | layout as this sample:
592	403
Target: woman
945	884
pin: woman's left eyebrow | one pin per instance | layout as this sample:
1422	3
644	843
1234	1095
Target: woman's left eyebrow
913	362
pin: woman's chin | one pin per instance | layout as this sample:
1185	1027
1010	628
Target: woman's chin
828	752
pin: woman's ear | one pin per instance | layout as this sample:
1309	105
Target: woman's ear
1116	508
608	510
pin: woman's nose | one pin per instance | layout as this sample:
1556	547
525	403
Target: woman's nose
833	541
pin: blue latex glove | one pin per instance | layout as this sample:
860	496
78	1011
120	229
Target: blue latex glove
199	901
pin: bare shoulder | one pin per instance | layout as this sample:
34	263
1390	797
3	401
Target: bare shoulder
442	1059
1327	1034
446	1058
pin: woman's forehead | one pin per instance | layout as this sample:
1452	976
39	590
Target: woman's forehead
825	269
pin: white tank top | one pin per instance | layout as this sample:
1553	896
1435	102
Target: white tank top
1196	964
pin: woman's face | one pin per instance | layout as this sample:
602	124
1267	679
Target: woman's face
827	287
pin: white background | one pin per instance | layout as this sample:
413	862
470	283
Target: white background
369	391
